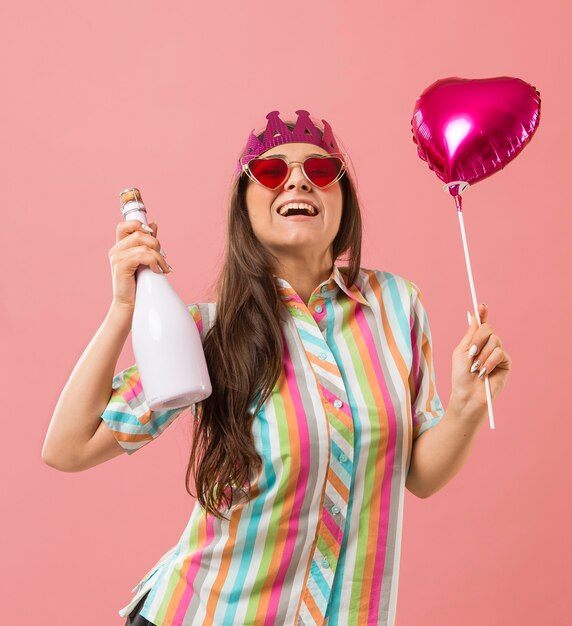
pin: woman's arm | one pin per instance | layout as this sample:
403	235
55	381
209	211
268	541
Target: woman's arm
440	452
77	416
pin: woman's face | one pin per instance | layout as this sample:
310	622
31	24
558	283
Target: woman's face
307	239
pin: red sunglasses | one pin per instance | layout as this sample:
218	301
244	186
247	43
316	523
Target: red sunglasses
272	171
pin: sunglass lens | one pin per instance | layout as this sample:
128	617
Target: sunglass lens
269	172
322	172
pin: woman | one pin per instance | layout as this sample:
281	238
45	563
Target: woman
323	384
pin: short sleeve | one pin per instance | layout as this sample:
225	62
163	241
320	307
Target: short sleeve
427	408
127	413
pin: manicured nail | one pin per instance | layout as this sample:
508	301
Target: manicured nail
475	366
482	371
146	228
170	268
473	350
163	253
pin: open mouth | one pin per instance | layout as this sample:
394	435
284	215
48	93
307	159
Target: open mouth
297	209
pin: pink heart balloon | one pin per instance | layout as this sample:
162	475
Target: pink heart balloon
467	129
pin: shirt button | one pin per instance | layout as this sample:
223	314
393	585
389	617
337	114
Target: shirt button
319	309
325	563
323	356
343	457
338	403
335	509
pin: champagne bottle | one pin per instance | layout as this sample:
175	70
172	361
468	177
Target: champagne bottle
166	341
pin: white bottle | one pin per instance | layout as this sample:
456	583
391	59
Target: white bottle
166	341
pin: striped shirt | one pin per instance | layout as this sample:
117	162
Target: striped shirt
320	541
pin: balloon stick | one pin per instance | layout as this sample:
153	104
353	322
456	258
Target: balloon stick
462	187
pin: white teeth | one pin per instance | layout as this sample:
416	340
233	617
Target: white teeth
297	205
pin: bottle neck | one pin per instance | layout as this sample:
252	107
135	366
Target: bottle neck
134	210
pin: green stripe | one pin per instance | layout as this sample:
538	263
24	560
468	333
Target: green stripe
269	548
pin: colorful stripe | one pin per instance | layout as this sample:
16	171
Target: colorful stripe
320	541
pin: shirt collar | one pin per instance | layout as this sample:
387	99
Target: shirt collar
336	279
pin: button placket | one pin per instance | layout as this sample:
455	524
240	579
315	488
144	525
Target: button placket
326	554
319	312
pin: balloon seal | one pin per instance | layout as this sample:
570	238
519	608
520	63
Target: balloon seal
462	186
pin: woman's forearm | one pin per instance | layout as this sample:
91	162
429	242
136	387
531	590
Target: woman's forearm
440	452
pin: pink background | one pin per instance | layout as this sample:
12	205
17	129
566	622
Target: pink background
100	96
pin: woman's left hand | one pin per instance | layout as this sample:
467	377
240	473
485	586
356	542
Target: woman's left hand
467	387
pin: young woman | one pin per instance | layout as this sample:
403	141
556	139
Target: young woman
324	404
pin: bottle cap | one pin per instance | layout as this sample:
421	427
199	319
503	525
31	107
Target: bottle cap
132	194
131	197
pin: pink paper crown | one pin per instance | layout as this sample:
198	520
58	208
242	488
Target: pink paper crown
277	133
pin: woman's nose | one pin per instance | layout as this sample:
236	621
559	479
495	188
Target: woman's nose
296	177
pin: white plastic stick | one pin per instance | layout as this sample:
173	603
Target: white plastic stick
476	307
462	187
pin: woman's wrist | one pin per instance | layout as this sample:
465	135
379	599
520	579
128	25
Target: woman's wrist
466	408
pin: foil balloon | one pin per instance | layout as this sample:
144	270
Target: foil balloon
467	129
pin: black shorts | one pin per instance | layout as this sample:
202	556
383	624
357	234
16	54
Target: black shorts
134	619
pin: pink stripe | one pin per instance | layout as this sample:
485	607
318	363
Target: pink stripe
303	473
133	389
191	574
416	355
332	525
195	311
377	575
330	397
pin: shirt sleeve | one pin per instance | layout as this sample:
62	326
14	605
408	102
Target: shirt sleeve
427	408
127	414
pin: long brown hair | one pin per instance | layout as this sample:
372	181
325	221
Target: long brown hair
244	350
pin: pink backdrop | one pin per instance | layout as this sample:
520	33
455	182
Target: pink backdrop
100	96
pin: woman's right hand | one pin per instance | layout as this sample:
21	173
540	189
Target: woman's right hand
134	247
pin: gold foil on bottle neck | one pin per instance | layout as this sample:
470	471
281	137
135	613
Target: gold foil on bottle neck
130	195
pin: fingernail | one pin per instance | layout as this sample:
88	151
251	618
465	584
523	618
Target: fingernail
475	366
469	318
482	371
473	350
160	269
163	253
170	268
146	228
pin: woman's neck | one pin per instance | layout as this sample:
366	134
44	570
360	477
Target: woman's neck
304	278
